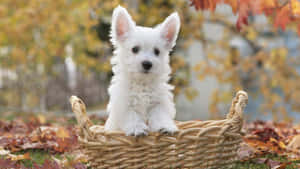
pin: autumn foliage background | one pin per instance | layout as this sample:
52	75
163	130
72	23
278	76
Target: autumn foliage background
50	50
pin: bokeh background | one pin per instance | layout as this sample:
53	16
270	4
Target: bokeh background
50	50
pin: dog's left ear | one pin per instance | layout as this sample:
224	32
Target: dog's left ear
169	29
122	24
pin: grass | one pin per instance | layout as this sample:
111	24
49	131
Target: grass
37	156
252	163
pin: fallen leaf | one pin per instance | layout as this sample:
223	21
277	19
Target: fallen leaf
245	151
281	166
4	152
9	164
62	133
41	119
294	143
269	162
25	156
266	134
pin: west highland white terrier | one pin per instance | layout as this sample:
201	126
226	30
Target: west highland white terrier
140	96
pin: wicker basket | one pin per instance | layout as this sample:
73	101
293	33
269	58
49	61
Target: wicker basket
198	144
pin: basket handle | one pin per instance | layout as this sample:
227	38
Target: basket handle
83	120
238	104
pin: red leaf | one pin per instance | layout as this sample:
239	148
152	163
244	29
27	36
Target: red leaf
244	10
298	29
205	4
283	17
198	4
266	133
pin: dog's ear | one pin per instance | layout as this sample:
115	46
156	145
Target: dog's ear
169	29
122	24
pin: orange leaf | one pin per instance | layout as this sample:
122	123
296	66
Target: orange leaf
281	145
265	6
282	17
269	3
62	133
295	5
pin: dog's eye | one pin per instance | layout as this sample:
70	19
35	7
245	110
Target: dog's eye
156	51
135	49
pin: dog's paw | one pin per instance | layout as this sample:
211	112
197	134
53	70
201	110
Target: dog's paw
138	134
169	130
137	131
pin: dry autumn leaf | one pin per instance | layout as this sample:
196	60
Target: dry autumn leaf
271	137
25	156
295	143
62	133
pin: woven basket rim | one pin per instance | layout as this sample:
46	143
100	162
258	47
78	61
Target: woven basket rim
234	118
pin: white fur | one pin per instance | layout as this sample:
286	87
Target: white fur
141	102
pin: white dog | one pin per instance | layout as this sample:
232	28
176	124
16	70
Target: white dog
140	96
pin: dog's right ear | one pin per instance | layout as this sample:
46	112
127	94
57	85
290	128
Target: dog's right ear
122	24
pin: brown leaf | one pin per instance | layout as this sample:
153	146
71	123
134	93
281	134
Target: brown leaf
9	164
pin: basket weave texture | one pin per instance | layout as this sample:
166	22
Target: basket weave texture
197	144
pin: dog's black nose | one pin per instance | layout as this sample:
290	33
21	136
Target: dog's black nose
147	65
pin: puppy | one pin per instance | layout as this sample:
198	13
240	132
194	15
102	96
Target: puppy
140	96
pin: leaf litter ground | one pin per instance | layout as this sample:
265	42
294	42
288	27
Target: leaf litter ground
50	142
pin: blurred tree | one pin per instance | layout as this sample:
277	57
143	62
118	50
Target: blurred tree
270	74
35	34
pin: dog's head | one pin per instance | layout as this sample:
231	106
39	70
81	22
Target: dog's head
143	50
